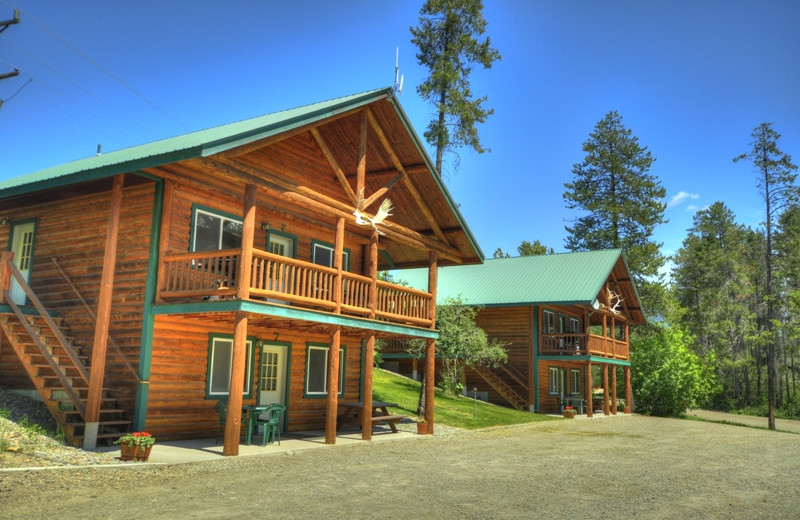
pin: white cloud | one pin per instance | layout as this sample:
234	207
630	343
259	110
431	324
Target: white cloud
681	197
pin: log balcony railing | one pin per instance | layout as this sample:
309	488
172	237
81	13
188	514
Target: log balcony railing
582	345
212	275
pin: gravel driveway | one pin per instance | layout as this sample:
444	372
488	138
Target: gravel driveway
618	467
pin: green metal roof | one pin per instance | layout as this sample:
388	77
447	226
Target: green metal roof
196	144
565	278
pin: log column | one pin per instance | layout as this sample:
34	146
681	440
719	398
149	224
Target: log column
233	419
605	389
614	390
5	273
100	344
333	385
369	354
628	391
589	388
430	344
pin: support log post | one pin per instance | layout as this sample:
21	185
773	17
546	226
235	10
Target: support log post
628	391
100	343
430	344
589	390
233	419
333	385
605	389
369	356
614	390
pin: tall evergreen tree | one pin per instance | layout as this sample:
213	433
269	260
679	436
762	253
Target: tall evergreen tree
775	181
712	278
448	38
622	203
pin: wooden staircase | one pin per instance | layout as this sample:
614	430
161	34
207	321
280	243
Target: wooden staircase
58	377
54	364
506	391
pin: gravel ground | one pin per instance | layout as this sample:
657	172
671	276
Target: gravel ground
617	467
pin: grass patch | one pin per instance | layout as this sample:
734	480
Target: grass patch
456	411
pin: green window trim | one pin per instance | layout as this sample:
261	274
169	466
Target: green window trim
321	364
215	381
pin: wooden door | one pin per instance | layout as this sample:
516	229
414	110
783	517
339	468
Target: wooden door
22	239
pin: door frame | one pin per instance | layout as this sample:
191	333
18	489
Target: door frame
286	376
14	226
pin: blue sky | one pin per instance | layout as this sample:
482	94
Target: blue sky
691	79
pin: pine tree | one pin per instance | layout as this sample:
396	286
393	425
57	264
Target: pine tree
775	181
449	46
622	203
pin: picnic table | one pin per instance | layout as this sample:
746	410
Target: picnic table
353	410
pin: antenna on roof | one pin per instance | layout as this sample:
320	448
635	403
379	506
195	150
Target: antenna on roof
398	86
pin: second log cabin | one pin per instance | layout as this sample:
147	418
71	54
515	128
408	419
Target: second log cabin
565	319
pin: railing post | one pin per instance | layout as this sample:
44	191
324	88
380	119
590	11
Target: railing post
163	240
6	257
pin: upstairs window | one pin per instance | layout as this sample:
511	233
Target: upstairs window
548	322
212	231
322	254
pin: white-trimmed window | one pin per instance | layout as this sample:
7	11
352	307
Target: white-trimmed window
317	369
212	231
548	322
220	361
322	254
574	381
555	380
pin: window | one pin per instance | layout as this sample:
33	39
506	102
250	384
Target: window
575	325
322	254
548	322
574	381
220	360
213	231
555	382
317	370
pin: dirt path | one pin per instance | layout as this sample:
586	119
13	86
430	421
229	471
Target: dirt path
620	467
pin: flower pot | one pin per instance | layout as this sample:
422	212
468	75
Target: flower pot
422	428
134	452
569	415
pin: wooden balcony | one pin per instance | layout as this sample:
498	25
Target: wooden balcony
582	345
211	275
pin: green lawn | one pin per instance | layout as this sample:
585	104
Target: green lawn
456	411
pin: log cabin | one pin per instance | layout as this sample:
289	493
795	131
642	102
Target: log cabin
239	263
565	320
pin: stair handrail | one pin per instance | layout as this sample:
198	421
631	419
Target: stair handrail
62	377
45	314
94	317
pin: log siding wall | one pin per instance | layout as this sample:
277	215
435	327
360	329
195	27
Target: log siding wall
178	406
73	230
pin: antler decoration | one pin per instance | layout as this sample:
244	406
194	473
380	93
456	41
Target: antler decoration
614	301
383	211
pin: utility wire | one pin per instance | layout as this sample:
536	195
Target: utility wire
100	67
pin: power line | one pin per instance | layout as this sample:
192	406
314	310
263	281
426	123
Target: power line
100	67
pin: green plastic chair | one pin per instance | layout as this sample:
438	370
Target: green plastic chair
222	410
271	423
